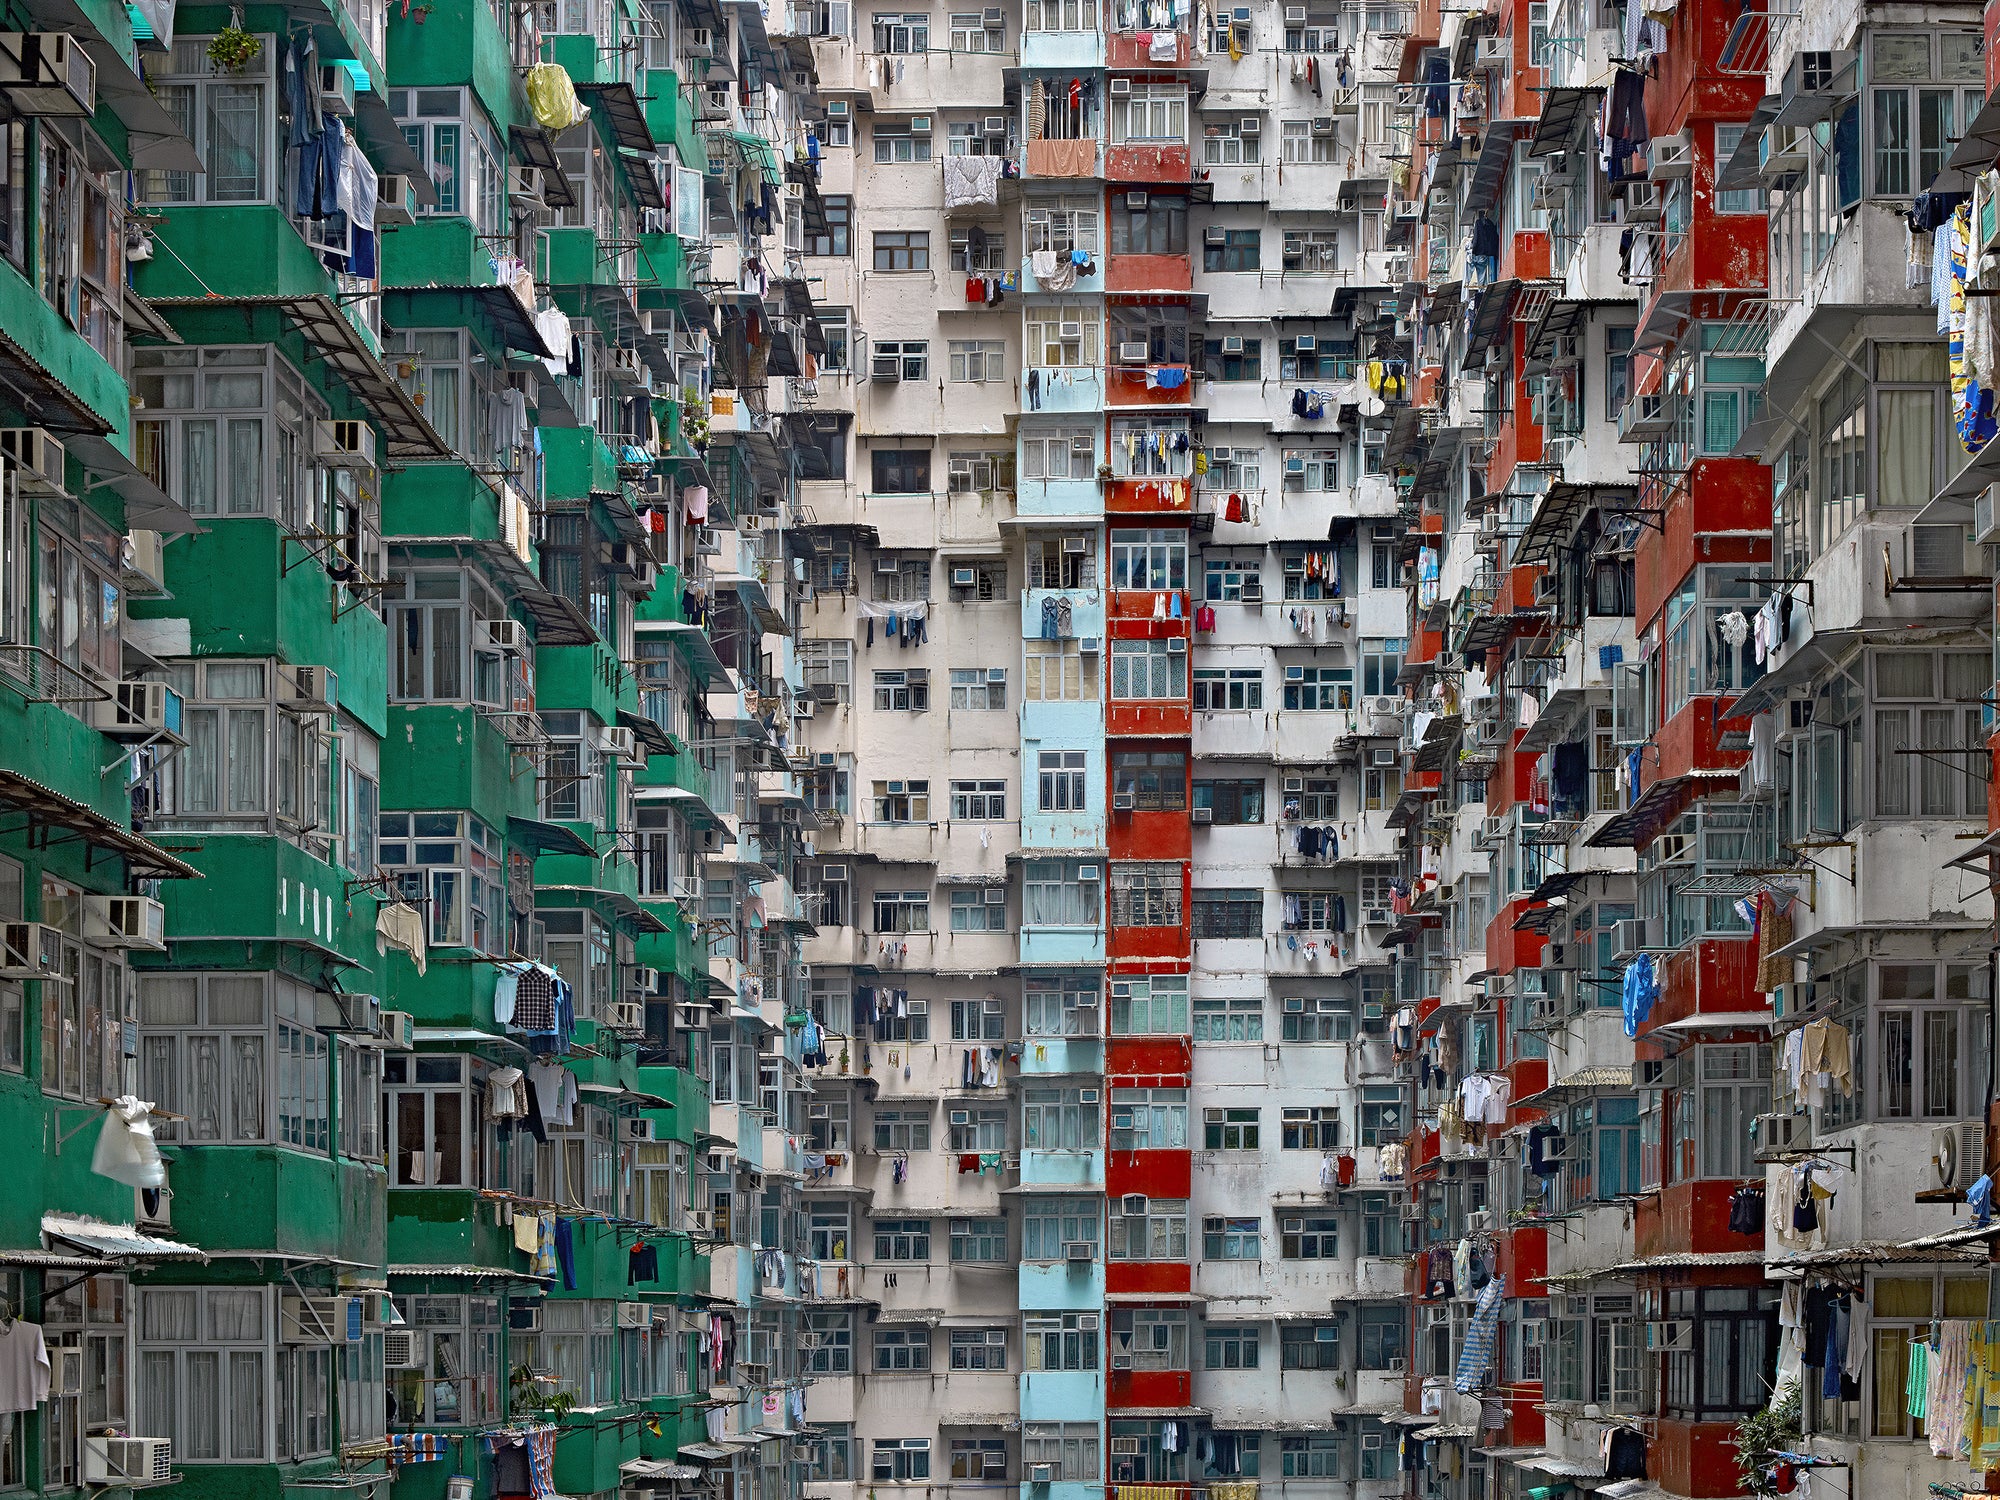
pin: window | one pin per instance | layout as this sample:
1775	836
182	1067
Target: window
902	1351
1150	447
1149	780
1050	1226
1063	334
1900	1306
1323	1018
980	910
1060	1119
1156	1005
902	911
1232	1239
1924	89
1149	1120
1155	1337
1315	1128
1231	1347
1153	113
1062	1341
901	471
979	688
1730	1360
1310	1346
1318	689
979	1459
1313	1457
1717	1137
829	664
1059	453
452	866
1228	1129
1058	671
230	118
897	142
831	1350
1070	1447
1381	1114
205	1371
462	153
901	249
1150	558
1929	1046
903	580
360	1084
1229	802
1229	690
903	1239
239	1058
461	1383
1061	893
1149	669
1237	250
1381	664
836	238
983	1129
91	1315
1302	143
1237	1019
901	1460
903	692
1062	778
830	1455
250	764
1229	912
978	360
1151	224
829	1223
1225	144
899	33
1060	1006
969	34
1146	895
1148	1228
1939	697
1231	359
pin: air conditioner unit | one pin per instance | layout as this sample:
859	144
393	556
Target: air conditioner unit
1079	1250
38	457
1089	645
1306	343
1041	1473
1381	759
1120	87
634	1315
645	980
395	200
313	1320
620	744
309	689
510	636
125	922
698	1221
127	1462
32	951
1632	937
398	1030
628	1016
1322	125
138	708
1069	330
920	124
996	124
1250	125
336	90
1671	1336
1133	352
1215	234
1123	801
1176	645
1784	1132
1816	71
1137	201
1122	1362
405	1349
637	1128
1295	15
1494	52
699	41
1201	815
1396	1365
837	109
525	187
995	18
47	73
344	444
1377	916
1233	344
1958	1152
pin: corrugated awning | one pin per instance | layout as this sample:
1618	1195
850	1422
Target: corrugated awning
1490	318
514	320
1495	152
639	1470
541	837
535	149
470	1273
1562	109
1660	803
46	808
619	103
1609	1079
323	324
114	1241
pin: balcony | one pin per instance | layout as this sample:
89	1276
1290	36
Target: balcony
1167	495
1062	389
1062	51
1072	159
1153	50
1143	165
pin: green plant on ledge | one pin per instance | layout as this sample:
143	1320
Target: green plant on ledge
1762	1434
527	1391
233	49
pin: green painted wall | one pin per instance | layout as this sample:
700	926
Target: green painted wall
446	756
445	1226
39	1178
266	1198
40	330
459	43
261	889
251	249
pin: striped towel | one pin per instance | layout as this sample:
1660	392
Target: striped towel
1482	1336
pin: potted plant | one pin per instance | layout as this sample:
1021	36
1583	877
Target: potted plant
233	49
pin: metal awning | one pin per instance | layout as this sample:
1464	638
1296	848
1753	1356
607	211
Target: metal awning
1561	884
1721	1020
1582	1084
515	321
695	646
1801	664
147	506
1490	318
541	837
639	1470
44	399
1660	803
471	1273
615	905
1744	169
383	142
1557	718
1564	318
47	809
1495	152
1981	141
340	347
1561	507
121	1242
655	740
640	177
619	103
535	149
1447	1432
1562	108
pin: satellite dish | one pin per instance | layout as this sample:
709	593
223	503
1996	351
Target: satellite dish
1372	405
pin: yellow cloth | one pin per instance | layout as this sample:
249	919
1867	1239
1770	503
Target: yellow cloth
552	97
527	1232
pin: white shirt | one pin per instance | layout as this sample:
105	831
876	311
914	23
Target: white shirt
24	1367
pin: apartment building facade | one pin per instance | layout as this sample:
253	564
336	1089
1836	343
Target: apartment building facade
399	589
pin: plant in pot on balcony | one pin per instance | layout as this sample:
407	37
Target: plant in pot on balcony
233	49
528	1391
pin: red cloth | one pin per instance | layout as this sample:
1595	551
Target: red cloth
975	289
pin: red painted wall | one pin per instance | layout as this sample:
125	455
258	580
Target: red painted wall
1689	85
1697	1459
1140	165
1148	1388
1157	1276
1717	976
1148	273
